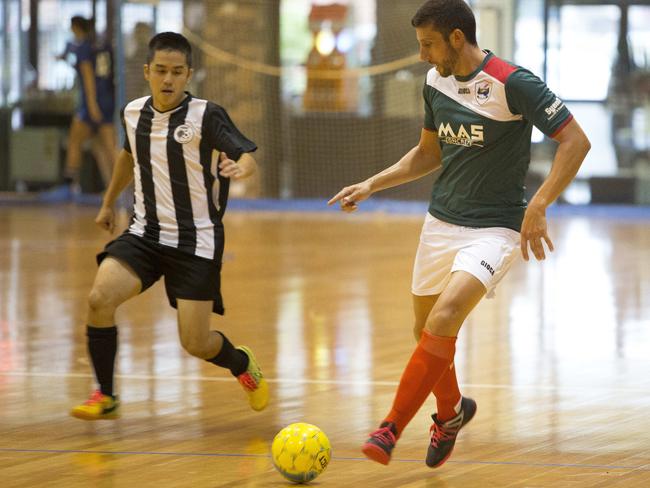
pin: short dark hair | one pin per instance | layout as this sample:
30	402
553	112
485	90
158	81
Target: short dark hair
445	16
82	23
170	41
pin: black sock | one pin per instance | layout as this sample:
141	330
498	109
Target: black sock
229	357
102	346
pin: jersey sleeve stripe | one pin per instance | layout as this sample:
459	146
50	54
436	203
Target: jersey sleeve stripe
562	125
499	69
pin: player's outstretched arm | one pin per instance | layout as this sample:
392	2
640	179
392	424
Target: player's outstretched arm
574	146
418	162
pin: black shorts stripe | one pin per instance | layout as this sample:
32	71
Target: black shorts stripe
143	151
179	184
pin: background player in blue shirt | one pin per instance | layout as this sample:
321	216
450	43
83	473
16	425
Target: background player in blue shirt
96	105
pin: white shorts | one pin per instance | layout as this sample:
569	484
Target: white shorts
485	253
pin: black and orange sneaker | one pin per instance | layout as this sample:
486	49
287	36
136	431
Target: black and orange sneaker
381	443
253	382
443	434
97	407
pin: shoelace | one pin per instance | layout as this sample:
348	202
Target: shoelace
96	397
384	435
440	434
247	381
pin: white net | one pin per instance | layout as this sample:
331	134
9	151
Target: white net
330	93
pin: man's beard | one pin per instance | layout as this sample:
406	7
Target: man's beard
445	68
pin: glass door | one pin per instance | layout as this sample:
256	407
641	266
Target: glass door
582	50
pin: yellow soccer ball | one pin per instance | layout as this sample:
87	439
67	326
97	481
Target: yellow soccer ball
301	452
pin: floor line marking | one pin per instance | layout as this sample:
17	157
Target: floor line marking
492	386
337	458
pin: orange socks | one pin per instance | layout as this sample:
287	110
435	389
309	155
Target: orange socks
447	394
429	362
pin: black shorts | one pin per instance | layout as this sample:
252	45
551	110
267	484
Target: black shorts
187	276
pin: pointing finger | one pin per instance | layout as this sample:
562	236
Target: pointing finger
343	193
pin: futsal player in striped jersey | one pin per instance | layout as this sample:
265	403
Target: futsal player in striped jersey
479	114
181	153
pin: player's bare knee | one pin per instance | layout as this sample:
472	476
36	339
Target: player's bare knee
195	345
444	319
99	301
196	348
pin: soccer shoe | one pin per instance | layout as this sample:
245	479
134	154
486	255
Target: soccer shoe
97	407
443	434
381	442
253	382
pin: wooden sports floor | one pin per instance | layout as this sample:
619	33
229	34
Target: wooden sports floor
558	361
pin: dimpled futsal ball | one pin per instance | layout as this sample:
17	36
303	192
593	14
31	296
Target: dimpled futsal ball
301	452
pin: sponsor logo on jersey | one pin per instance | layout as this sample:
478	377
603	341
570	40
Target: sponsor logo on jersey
483	91
183	134
464	91
461	137
553	109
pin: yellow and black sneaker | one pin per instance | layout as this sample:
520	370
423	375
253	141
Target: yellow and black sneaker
97	407
253	382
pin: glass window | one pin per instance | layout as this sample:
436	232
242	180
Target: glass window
529	36
582	50
355	40
170	16
133	13
54	32
639	34
166	14
639	38
10	56
295	43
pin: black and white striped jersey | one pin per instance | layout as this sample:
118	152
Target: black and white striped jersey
180	197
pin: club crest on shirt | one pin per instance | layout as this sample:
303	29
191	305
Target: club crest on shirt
183	134
483	91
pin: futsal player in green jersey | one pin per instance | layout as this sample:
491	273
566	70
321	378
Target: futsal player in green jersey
479	114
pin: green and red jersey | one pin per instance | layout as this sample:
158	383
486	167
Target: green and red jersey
484	123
